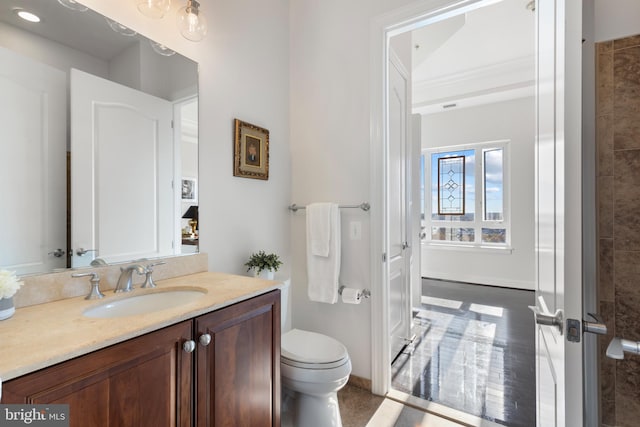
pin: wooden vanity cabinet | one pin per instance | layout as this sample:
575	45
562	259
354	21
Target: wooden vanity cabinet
145	381
238	373
151	381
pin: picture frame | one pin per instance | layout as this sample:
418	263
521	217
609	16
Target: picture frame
251	151
189	190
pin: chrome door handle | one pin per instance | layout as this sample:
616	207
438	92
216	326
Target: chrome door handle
618	346
83	251
546	318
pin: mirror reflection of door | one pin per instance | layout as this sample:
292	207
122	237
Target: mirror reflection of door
32	165
122	146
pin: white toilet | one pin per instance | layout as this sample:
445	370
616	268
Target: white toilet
313	368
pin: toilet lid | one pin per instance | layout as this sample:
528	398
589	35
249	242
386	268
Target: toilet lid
311	348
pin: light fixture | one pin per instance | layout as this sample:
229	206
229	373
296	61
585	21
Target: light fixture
191	22
161	49
73	5
27	16
154	8
119	28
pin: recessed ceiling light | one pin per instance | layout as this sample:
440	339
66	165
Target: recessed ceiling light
27	16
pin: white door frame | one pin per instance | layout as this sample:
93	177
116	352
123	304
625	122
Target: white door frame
406	19
382	29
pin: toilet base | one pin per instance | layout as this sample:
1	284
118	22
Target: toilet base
305	410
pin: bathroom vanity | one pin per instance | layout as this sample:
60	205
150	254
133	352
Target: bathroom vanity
212	362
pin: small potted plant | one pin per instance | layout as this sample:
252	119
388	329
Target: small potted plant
263	265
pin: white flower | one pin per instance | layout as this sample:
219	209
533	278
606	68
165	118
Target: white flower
9	284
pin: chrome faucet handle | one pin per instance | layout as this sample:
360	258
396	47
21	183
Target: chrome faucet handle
95	285
148	281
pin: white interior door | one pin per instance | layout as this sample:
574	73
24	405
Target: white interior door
122	163
558	212
33	215
399	251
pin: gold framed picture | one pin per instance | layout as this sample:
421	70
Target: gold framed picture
251	151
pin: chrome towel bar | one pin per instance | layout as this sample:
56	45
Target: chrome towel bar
364	206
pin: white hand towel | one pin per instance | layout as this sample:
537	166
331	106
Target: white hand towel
323	271
319	228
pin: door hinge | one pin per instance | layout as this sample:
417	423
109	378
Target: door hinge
384	257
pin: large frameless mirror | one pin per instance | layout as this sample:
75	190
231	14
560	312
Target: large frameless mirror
99	147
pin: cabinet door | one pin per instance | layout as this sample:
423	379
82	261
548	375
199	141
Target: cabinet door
145	381
238	373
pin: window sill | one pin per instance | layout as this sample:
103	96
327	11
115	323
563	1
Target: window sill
503	250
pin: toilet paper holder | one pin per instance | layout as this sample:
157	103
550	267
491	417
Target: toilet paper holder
366	293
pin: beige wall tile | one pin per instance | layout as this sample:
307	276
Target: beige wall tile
604	84
605	207
628	392
626	82
626	200
604	144
606	290
626	42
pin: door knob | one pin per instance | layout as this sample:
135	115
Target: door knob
57	253
546	318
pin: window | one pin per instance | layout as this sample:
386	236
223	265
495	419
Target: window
466	193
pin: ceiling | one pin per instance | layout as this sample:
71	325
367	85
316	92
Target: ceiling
62	25
483	56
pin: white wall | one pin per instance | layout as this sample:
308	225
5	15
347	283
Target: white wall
243	73
615	19
330	149
513	121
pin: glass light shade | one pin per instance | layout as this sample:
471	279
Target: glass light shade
119	28
161	49
154	8
191	22
73	5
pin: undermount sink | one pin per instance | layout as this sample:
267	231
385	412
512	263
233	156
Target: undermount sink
145	303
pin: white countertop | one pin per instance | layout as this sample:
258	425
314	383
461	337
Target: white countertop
42	335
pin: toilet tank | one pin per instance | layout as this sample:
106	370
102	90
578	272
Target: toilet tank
285	323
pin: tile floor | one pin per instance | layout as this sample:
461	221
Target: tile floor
474	352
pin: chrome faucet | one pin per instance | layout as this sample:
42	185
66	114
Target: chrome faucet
125	282
95	285
148	281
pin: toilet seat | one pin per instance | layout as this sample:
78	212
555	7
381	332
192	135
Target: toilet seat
310	350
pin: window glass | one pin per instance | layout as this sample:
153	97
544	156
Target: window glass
469	186
493	185
453	234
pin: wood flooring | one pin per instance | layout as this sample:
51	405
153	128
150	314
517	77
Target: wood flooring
474	352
